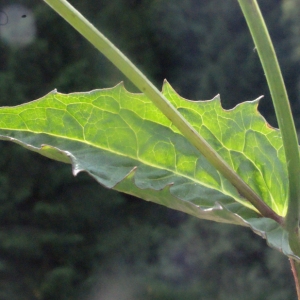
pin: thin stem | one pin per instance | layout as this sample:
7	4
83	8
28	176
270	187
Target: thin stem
281	103
71	15
296	274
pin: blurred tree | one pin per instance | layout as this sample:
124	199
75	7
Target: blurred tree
291	12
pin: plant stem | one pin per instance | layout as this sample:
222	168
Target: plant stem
296	274
281	103
71	15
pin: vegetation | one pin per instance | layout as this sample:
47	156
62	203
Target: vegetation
54	218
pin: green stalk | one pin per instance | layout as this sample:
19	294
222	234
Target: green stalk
281	103
71	15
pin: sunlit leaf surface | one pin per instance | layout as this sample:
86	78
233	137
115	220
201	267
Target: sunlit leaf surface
126	143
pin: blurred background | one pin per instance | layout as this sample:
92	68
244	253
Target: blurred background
69	238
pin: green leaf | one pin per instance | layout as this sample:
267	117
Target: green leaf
124	142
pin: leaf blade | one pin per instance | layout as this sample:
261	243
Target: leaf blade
126	143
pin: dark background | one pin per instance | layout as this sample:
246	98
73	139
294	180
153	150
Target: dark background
69	238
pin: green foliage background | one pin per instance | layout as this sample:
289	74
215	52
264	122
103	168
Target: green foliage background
66	238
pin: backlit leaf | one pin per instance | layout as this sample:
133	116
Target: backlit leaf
126	143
